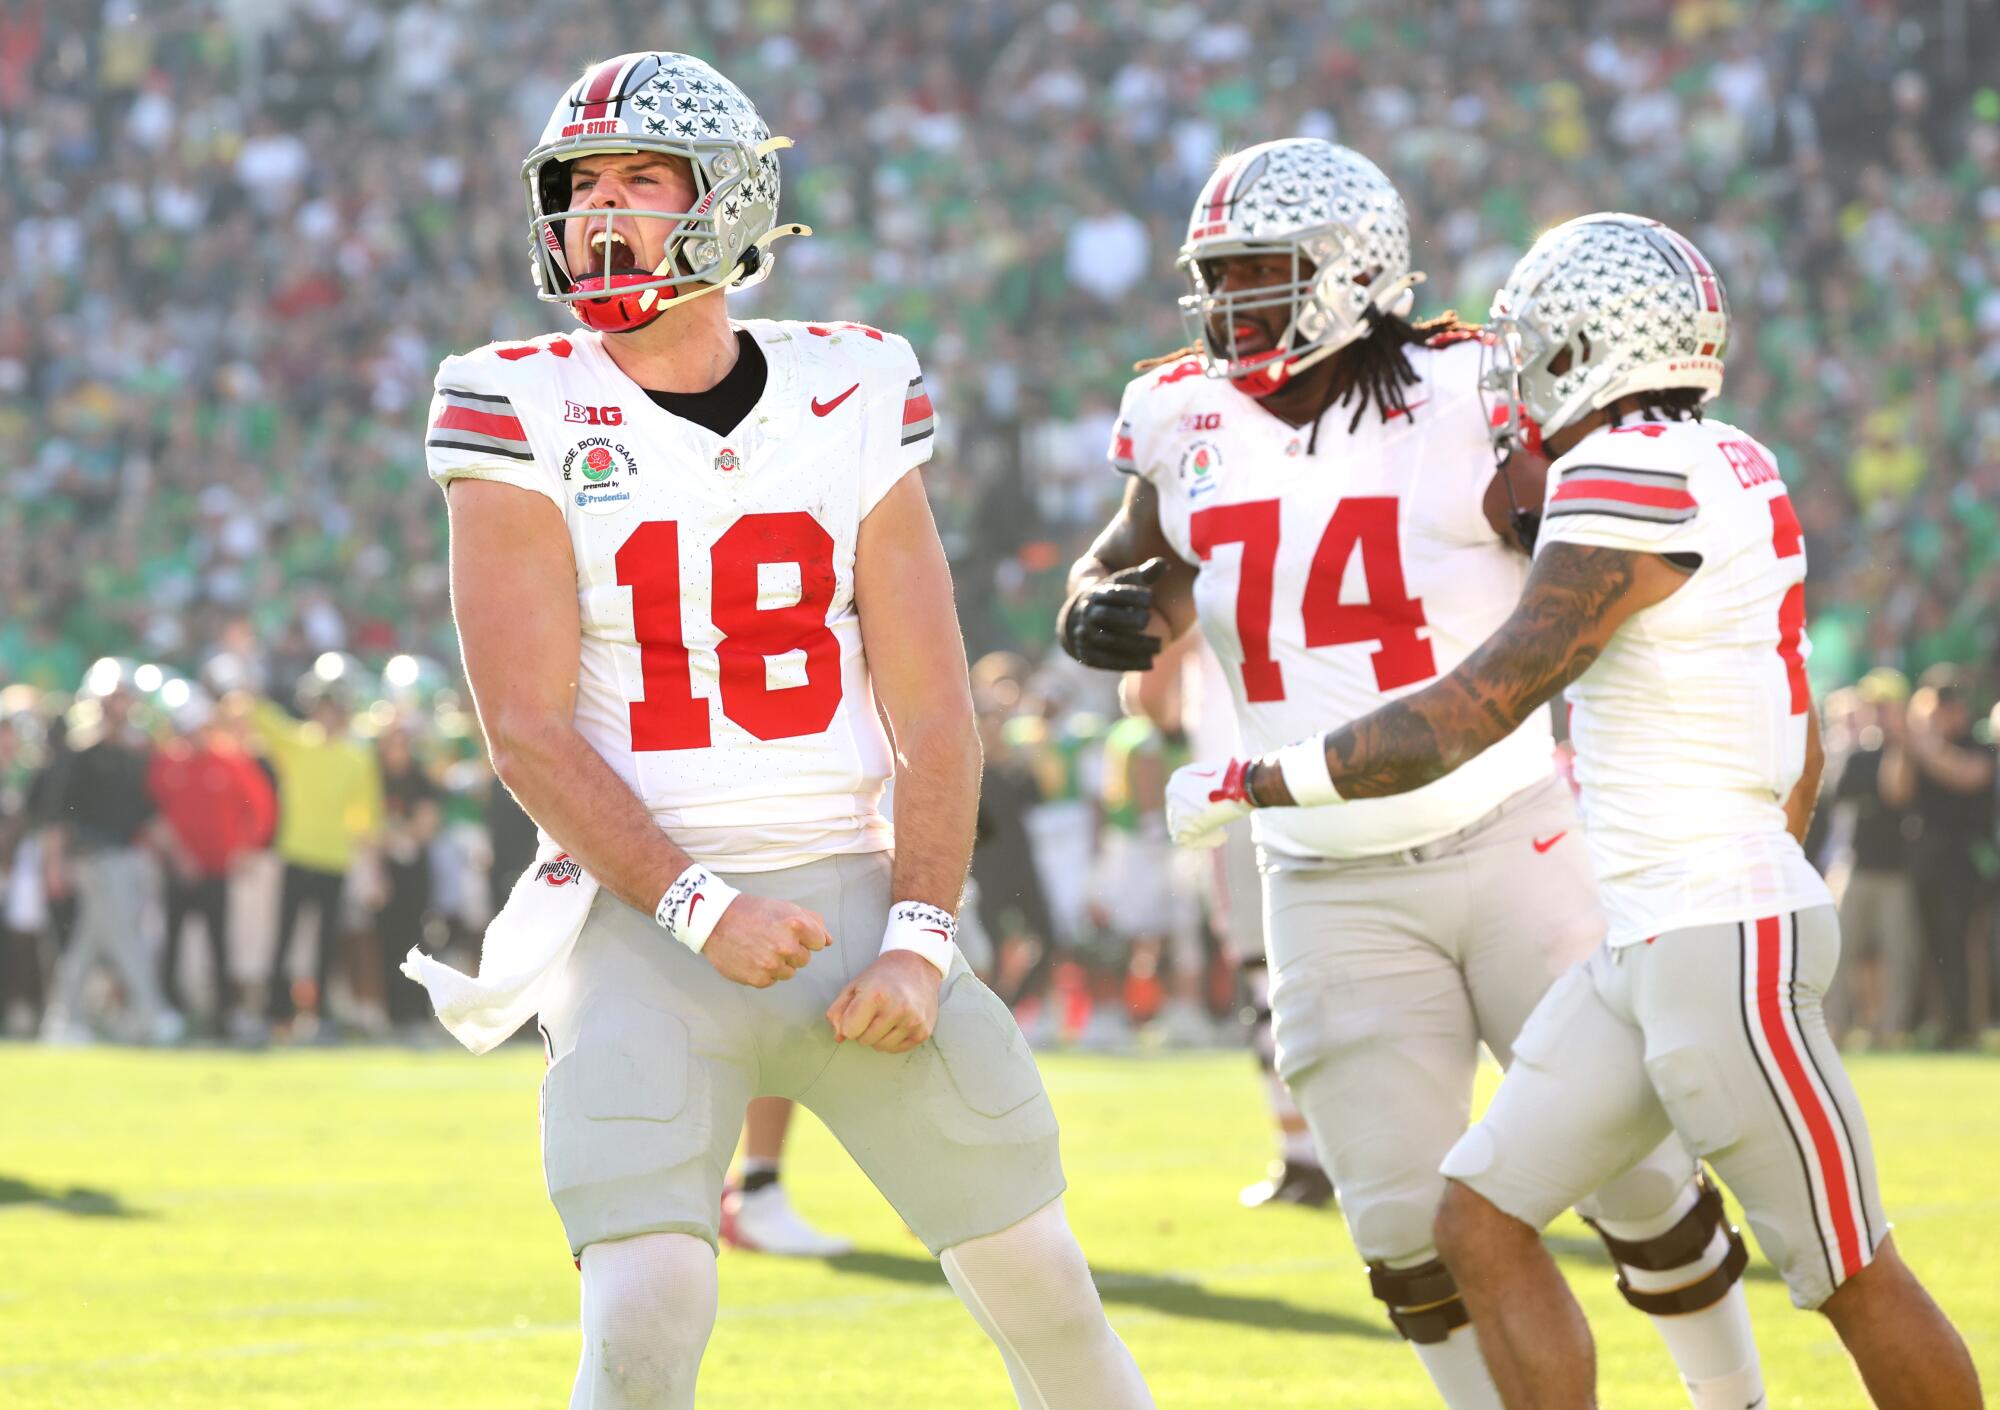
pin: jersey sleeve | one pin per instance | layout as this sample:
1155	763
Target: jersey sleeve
474	432
1646	508
902	428
1124	451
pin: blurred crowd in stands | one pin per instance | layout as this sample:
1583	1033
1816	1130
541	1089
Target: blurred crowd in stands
241	235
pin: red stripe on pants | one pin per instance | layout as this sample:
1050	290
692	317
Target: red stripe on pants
1832	1167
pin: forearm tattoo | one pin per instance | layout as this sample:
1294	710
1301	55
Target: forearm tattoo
1549	641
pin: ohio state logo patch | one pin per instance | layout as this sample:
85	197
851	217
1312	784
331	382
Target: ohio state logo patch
558	870
726	461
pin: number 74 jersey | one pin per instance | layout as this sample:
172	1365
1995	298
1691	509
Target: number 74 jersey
721	673
1332	580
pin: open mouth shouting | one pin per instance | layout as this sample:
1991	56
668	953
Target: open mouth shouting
612	253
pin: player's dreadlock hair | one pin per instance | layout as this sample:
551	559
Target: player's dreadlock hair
1372	369
1665	404
1377	368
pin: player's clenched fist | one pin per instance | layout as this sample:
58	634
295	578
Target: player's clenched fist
1110	624
758	941
891	1006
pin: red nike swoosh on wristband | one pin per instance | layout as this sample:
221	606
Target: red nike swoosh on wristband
1541	846
932	930
691	905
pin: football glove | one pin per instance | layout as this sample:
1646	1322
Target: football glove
1104	625
1202	799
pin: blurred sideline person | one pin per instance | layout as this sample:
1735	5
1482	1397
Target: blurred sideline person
1953	847
329	812
412	816
689	557
1235	907
102	824
24	909
1140	915
1668	596
219	808
1312	482
1880	980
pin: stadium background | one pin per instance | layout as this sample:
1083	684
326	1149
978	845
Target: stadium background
242	232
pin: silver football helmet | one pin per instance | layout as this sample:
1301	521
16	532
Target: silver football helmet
1346	231
1634	305
674	104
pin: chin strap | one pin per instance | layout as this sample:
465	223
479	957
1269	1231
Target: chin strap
1527	522
749	271
756	272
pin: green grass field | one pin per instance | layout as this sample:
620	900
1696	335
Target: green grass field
364	1229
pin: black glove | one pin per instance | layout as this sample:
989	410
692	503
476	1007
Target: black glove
1104	625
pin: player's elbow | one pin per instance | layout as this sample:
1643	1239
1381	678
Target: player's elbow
524	746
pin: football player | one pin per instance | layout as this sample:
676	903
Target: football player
1313	483
1668	597
689	557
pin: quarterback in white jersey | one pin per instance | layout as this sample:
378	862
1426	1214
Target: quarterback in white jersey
693	574
1318	472
1668	596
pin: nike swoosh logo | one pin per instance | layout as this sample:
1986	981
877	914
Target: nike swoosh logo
933	930
1394	412
692	904
821	408
1543	846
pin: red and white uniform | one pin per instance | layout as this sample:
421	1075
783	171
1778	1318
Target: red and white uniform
722	676
1690	729
1701	1014
1333	582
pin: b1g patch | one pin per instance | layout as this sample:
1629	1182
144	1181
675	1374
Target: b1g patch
558	870
599	474
1199	464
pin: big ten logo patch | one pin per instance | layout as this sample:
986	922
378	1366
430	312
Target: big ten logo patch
593	415
1201	421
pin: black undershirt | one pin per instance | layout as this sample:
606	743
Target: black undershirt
722	407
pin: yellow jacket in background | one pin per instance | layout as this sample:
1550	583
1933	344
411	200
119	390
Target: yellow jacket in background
329	790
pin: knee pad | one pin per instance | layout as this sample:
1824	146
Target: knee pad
1683	1248
648	1306
1423	1300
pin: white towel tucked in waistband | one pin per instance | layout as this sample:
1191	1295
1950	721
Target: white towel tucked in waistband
525	948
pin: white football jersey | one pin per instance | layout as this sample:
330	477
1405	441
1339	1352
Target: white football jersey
722	674
1690	728
1333	581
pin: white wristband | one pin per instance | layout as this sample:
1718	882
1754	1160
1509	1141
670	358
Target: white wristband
1307	779
929	930
692	906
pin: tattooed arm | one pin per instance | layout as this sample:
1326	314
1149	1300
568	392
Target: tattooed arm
1575	599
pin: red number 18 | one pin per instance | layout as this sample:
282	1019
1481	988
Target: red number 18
668	715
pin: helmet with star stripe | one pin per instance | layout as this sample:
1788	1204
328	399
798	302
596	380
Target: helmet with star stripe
1345	229
1599	308
678	106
